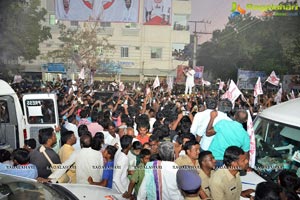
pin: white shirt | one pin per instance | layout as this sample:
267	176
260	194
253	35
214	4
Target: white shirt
131	161
89	162
120	180
200	123
190	78
148	4
168	182
72	127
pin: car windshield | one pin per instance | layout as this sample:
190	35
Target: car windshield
14	188
275	145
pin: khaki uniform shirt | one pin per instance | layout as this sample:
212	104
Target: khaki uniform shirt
64	153
205	182
224	186
185	160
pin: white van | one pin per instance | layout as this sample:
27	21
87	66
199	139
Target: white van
40	111
277	134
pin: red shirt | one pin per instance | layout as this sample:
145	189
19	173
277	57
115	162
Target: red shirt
144	139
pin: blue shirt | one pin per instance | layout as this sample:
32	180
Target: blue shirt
108	173
228	133
27	171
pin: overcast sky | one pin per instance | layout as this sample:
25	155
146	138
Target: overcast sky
217	12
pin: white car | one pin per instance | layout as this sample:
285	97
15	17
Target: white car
15	187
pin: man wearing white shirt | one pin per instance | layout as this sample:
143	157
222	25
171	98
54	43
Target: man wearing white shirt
120	180
72	10
190	82
89	162
148	4
201	120
70	125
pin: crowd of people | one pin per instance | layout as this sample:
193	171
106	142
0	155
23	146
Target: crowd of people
146	143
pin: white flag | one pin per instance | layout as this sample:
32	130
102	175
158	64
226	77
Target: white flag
121	87
278	96
252	151
170	82
221	85
232	93
204	82
156	83
257	88
81	74
134	86
273	79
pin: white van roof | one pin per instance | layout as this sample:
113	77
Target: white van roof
5	88
287	113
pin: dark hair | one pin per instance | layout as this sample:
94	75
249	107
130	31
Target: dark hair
143	124
137	145
111	150
45	134
289	180
82	129
66	136
105	122
144	153
71	118
126	141
267	191
232	154
100	135
4	155
211	103
21	156
31	143
85	141
202	155
290	195
94	116
188	145
96	143
84	113
153	138
154	157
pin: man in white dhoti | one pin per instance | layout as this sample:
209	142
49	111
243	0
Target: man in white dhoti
190	83
148	4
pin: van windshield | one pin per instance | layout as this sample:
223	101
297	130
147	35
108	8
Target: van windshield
275	146
40	111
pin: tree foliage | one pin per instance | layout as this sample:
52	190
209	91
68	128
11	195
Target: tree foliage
82	45
251	43
21	29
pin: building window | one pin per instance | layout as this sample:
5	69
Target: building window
105	24
52	20
124	52
131	25
156	52
74	23
180	23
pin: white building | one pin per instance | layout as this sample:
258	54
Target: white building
140	50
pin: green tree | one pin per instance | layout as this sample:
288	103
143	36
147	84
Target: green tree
251	43
83	46
21	32
21	29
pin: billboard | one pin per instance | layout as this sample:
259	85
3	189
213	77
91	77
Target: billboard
199	74
180	78
247	79
98	10
157	12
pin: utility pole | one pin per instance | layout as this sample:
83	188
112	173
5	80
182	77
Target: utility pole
196	36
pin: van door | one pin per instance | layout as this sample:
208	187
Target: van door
40	112
9	126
